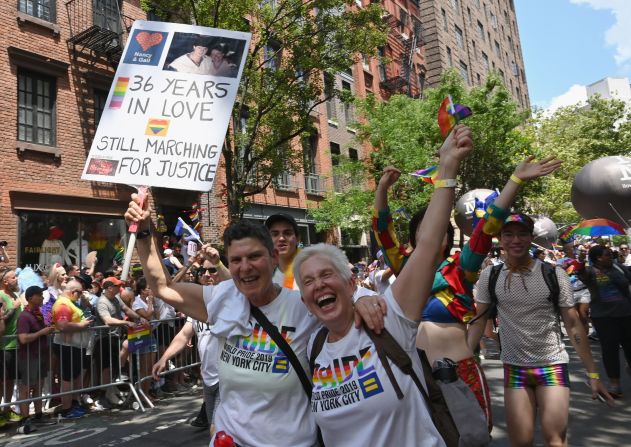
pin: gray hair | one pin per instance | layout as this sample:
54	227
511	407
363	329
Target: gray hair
334	255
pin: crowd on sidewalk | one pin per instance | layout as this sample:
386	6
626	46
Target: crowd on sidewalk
299	344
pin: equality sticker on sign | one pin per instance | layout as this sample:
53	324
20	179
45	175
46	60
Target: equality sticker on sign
169	107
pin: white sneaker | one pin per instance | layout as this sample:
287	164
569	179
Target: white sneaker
112	396
101	405
87	400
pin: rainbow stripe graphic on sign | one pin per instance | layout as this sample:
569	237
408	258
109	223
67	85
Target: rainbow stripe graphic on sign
157	127
119	93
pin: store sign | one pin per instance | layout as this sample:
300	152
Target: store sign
169	106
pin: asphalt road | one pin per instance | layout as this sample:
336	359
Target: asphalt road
592	423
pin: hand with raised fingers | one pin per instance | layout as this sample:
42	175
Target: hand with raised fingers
530	169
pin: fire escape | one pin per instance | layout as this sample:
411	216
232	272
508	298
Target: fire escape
399	72
97	34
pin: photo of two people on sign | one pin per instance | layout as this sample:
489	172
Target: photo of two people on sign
205	55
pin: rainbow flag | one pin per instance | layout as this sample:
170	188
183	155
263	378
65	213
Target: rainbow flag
157	127
428	175
450	114
138	337
119	93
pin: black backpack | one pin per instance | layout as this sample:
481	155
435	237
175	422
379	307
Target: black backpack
549	276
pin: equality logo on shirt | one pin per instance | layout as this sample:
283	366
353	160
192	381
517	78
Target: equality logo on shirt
258	352
345	381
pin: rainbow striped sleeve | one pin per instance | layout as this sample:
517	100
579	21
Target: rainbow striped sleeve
383	229
475	250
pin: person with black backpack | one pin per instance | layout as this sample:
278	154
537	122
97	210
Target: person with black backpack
529	296
610	309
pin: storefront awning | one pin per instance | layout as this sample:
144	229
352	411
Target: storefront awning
33	201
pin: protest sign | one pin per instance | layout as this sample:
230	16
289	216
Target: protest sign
169	106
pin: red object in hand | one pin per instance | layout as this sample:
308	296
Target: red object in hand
223	439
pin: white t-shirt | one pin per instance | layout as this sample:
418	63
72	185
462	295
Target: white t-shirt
208	348
279	278
362	291
353	400
139	304
167	312
263	403
379	283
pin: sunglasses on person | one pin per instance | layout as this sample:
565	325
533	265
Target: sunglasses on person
203	270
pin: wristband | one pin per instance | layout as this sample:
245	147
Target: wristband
445	183
516	179
219	264
143	234
593	376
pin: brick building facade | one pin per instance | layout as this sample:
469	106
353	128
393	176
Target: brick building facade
58	60
474	37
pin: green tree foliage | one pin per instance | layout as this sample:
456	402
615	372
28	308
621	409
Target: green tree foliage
577	135
293	43
405	134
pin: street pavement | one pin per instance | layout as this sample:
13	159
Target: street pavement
592	423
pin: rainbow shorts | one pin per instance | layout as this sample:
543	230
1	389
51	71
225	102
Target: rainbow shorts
526	376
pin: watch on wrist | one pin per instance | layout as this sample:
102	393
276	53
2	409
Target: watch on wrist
143	234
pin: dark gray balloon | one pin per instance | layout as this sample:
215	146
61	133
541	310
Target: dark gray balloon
601	186
546	232
465	206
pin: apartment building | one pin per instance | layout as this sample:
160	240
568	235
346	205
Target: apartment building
474	37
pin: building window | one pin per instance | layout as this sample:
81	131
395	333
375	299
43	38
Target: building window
485	61
272	55
353	154
310	150
464	72
42	9
382	65
498	50
100	98
36	108
349	115
510	44
335	153
456	5
469	16
403	19
445	23
493	21
475	50
48	238
478	79
459	38
449	59
481	31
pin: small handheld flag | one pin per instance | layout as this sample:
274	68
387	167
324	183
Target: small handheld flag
427	175
451	114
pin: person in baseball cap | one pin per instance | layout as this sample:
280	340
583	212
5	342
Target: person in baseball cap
31	291
285	235
520	219
111	281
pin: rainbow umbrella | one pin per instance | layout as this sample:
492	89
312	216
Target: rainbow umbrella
598	227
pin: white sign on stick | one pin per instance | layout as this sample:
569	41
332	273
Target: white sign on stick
169	106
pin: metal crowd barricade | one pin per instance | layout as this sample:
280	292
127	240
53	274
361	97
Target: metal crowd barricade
93	359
